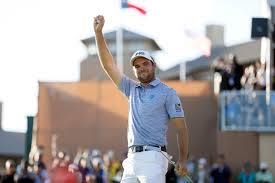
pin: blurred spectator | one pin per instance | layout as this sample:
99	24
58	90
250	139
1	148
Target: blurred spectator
260	82
55	163
61	158
119	171
202	174
83	168
221	173
108	165
90	178
112	167
98	170
248	79
191	166
67	159
221	74
78	155
38	158
40	172
8	177
25	176
74	176
59	171
247	175
263	175
237	72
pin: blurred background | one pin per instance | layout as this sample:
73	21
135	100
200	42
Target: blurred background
62	120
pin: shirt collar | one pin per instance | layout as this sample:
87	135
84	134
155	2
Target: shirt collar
152	83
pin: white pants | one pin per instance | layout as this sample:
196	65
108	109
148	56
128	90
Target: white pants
145	167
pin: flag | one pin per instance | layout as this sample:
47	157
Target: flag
127	4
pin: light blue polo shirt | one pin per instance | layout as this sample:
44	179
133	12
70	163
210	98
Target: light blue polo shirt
150	109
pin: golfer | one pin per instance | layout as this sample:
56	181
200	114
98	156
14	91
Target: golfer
152	105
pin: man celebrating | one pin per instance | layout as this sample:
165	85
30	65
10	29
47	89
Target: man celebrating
152	105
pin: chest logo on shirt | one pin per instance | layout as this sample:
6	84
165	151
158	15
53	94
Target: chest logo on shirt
178	107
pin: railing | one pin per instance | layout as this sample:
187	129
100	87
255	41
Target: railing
247	111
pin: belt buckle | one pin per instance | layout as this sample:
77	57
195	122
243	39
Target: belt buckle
137	149
133	149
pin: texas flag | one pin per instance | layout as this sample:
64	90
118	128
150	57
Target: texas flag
134	5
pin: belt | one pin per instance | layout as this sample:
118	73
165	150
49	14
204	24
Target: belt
141	148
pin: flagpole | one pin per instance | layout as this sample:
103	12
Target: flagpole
119	32
266	50
183	71
266	47
119	42
119	48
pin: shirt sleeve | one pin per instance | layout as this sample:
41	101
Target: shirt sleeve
125	85
173	105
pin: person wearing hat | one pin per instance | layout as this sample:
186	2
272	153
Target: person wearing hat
263	175
152	105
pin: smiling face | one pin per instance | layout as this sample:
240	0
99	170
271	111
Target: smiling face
144	70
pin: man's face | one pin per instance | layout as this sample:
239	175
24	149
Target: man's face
221	161
144	70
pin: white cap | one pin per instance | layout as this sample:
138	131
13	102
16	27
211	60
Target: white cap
141	53
263	165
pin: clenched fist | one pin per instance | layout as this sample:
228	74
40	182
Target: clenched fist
98	23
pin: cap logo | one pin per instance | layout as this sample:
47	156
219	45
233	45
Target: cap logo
140	53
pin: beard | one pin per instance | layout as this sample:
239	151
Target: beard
145	77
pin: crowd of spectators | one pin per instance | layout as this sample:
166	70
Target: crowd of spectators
201	171
85	167
249	107
93	167
229	74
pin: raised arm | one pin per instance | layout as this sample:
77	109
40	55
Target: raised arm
104	54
